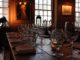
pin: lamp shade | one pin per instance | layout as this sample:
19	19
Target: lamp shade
3	19
38	20
38	17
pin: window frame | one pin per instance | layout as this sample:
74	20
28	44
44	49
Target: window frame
44	9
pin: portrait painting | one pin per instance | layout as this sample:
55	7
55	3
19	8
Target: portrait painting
23	10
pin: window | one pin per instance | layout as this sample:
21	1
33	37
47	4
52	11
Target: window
77	13
4	8
43	8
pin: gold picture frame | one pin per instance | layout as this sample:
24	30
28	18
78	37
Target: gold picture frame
66	10
23	10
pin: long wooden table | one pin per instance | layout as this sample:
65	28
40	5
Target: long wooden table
18	47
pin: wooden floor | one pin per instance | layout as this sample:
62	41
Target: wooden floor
43	52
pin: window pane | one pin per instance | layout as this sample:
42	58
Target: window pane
45	7
49	17
79	24
79	5
36	6
77	14
40	6
40	1
41	12
0	16
45	18
49	7
76	0
36	12
44	1
5	11
1	0
5	0
36	1
0	4
45	12
76	9
0	10
76	4
79	1
49	2
49	13
5	4
76	18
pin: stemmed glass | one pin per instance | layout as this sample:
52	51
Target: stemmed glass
57	42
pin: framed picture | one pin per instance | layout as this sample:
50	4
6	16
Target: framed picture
66	10
23	10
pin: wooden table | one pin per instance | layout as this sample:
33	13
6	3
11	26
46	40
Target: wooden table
18	47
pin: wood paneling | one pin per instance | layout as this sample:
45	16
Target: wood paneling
61	19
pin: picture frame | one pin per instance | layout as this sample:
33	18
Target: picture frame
23	10
66	10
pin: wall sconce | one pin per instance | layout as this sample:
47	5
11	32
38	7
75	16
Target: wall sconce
66	9
22	3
